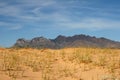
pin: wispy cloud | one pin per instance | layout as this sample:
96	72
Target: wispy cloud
10	26
17	27
92	24
10	10
69	14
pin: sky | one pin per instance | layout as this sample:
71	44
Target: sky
50	18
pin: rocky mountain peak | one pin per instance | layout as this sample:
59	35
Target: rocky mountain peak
71	41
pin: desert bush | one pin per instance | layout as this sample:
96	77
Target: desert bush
83	58
102	60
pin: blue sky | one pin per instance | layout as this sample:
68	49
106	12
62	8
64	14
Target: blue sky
50	18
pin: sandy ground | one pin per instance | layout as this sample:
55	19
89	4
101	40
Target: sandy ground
65	64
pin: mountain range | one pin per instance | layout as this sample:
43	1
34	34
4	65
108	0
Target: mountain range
66	42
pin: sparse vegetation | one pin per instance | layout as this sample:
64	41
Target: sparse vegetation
63	64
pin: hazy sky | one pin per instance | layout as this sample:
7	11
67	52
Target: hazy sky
49	18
